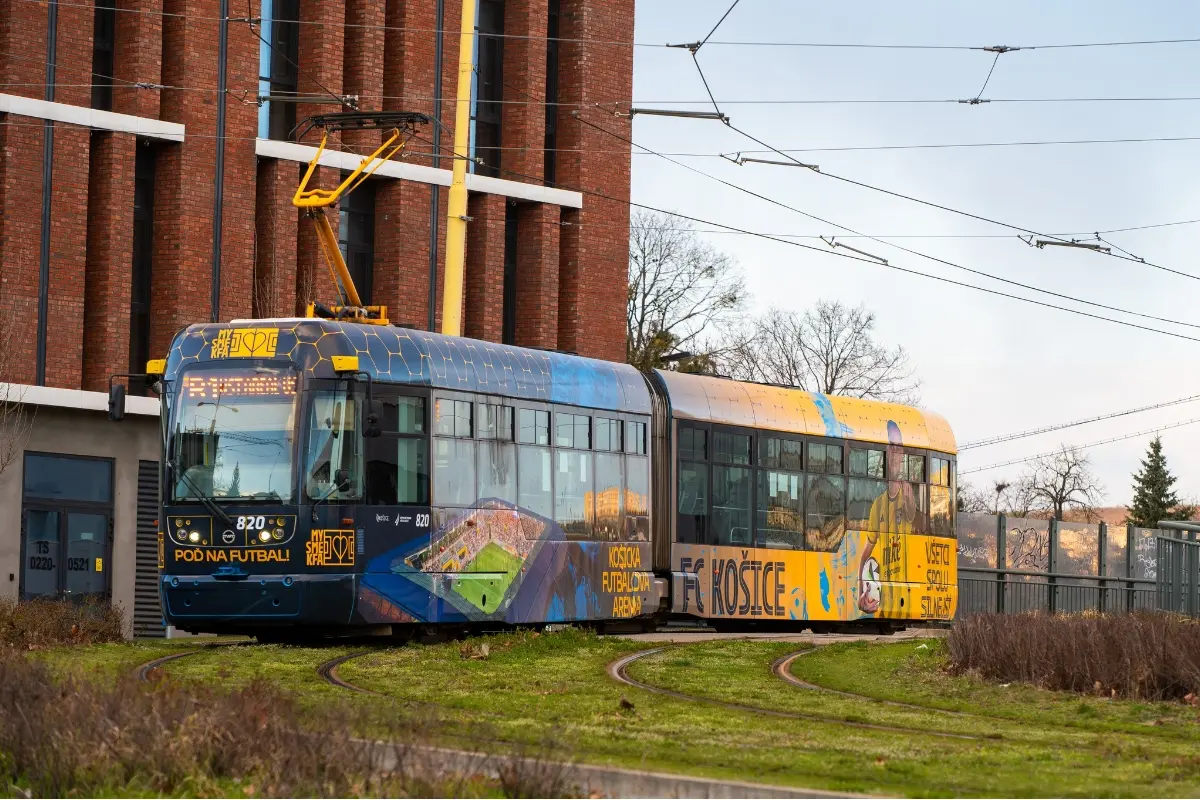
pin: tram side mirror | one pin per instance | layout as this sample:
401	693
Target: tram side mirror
374	410
116	402
341	478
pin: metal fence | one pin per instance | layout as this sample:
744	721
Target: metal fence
1178	575
1010	565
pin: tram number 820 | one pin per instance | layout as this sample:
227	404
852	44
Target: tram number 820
251	523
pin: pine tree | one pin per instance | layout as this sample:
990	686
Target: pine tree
235	485
1154	497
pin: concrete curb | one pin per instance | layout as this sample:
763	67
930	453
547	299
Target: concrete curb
588	780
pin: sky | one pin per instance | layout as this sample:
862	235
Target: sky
989	364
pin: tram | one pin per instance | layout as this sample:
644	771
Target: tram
334	474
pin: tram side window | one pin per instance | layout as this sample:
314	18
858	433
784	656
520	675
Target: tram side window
731	505
691	526
637	498
825	458
941	502
535	479
867	498
495	421
452	418
533	427
453	472
573	488
609	495
572	430
781	454
397	461
731	448
635	438
497	471
693	445
334	458
825	498
781	509
608	435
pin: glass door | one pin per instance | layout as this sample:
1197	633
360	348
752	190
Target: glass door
42	545
66	554
86	562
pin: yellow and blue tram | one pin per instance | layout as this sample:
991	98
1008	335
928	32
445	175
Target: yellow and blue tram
327	477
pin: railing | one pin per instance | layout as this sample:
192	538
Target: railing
1016	591
1178	575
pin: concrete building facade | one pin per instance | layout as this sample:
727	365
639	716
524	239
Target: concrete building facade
148	156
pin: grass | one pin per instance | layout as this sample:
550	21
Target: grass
487	594
916	673
534	688
526	689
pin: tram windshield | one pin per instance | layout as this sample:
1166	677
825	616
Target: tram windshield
232	435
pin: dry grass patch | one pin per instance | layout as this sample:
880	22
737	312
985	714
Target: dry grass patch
1143	656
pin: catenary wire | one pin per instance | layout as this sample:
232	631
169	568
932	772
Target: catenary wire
1087	446
722	43
945	262
871	261
952	210
1010	437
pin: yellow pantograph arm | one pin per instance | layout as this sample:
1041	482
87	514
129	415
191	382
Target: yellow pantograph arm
322	198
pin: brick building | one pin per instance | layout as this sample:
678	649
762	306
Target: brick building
145	185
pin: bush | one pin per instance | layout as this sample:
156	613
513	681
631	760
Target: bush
1146	655
75	737
46	623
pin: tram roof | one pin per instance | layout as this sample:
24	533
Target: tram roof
423	358
754	405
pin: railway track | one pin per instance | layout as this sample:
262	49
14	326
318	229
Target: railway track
328	672
618	671
782	667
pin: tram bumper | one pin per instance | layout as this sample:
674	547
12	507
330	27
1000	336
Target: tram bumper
204	602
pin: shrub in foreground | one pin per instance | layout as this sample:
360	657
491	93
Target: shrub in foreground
45	623
1146	655
74	737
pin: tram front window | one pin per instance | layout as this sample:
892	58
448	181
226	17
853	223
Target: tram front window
232	435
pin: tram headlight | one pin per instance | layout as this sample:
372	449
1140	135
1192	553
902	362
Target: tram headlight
264	536
277	533
194	537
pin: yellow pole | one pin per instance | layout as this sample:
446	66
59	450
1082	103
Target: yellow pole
456	220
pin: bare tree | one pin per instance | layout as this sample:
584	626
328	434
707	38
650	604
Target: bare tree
679	288
971	500
1063	480
16	418
829	349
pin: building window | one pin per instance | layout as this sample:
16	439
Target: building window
277	67
551	141
356	236
103	44
143	261
487	89
509	323
66	519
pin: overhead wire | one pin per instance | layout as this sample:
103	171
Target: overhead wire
1087	446
615	42
936	259
1011	437
827	252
